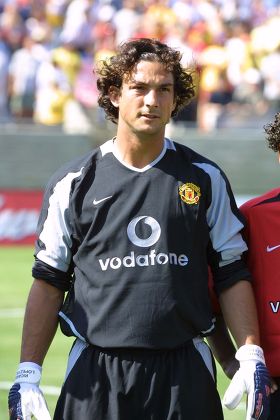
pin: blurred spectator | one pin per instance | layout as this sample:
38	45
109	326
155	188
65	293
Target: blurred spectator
213	83
157	18
176	38
249	89
52	93
12	26
85	90
270	72
55	12
38	28
77	26
219	100
127	20
4	65
68	59
50	105
22	80
238	50
185	12
104	33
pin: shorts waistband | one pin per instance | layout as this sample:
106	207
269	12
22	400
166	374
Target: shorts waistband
110	350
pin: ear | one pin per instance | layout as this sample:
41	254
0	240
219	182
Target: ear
114	95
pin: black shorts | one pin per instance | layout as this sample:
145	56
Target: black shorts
131	384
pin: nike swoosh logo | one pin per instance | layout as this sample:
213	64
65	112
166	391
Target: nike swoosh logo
95	202
272	248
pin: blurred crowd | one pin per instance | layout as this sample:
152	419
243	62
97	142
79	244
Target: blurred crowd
48	49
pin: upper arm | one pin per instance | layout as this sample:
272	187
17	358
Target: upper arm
54	245
225	224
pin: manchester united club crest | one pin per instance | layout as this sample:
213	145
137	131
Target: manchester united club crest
189	193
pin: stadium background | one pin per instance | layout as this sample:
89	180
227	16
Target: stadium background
48	116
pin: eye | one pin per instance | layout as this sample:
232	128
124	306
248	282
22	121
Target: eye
165	89
137	87
140	88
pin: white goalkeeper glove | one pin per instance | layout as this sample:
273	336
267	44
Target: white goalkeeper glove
25	397
252	378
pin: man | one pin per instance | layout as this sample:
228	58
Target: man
262	237
262	234
129	231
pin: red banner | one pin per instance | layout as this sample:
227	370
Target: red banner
19	212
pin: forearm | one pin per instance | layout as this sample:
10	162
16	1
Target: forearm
240	314
40	321
223	347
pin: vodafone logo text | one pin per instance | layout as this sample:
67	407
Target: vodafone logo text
144	259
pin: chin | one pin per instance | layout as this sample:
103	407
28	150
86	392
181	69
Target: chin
152	128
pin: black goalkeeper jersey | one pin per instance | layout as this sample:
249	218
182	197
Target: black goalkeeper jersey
132	246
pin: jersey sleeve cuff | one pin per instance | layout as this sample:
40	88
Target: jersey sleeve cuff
230	274
51	275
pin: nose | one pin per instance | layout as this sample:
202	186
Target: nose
151	98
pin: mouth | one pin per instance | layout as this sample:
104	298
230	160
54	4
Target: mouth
150	116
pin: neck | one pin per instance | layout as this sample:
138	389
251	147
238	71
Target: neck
138	152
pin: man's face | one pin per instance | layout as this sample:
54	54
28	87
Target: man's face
145	100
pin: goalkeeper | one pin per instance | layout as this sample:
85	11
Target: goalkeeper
128	231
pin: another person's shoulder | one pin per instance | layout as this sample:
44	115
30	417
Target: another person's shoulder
268	197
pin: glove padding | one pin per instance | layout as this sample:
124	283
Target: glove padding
25	397
253	379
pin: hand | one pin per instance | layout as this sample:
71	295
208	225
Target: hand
253	379
25	397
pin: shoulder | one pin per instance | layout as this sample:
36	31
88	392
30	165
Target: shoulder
267	197
192	155
202	164
76	168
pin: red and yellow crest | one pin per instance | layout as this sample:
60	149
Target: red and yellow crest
189	193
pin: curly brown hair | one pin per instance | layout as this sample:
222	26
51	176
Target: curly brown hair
111	72
272	131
